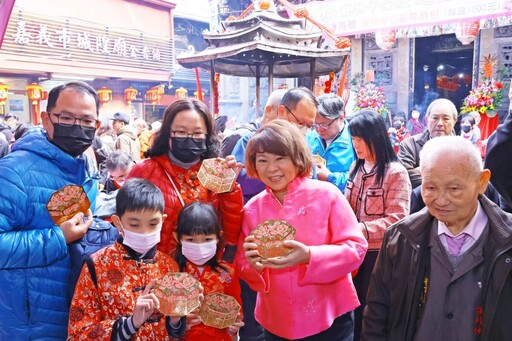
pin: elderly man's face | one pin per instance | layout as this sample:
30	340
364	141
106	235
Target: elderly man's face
440	121
450	189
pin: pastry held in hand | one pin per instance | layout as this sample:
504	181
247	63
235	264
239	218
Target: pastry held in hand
66	202
219	310
178	293
319	160
214	175
269	237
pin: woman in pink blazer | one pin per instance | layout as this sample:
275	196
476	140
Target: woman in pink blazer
307	294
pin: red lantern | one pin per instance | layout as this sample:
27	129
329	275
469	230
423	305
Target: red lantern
153	95
4	93
130	94
105	95
385	39
35	93
466	32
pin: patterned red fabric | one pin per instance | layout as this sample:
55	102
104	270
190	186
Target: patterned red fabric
228	205
225	282
120	279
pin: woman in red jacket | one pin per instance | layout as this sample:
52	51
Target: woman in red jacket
187	137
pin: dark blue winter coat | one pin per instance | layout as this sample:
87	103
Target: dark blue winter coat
34	259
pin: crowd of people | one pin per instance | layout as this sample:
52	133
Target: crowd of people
401	233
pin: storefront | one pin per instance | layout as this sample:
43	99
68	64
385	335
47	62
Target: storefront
124	48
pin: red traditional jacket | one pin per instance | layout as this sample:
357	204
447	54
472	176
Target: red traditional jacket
229	205
225	282
120	280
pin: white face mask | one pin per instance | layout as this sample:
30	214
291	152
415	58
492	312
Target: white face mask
415	115
199	253
140	242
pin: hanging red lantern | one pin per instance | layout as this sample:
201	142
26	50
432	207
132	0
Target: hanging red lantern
467	32
4	94
130	94
216	80
105	95
153	95
385	39
35	93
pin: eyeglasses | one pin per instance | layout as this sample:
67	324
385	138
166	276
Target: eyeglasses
67	120
300	124
323	125
182	135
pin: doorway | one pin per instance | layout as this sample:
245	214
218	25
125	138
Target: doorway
443	69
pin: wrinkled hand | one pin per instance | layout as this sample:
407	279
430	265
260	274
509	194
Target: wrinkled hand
145	305
251	254
75	228
233	164
300	255
235	327
321	172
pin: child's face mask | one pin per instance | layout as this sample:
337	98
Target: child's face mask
141	242
199	253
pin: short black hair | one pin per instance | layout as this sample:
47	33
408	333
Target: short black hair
198	218
137	195
22	129
8	116
85	88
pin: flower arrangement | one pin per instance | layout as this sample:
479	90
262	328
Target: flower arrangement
485	99
369	95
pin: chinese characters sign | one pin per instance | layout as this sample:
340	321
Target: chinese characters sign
70	39
347	17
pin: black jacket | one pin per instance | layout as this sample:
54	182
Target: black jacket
499	159
396	284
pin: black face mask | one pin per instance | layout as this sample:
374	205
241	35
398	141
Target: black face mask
73	140
187	150
465	129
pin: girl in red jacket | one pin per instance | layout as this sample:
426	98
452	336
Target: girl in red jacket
199	243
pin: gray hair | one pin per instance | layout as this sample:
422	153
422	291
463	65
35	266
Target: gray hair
443	101
274	99
330	106
446	146
118	160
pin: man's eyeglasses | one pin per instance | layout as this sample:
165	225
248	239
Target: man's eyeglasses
300	124
323	125
67	120
182	135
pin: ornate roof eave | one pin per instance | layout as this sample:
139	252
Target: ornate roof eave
262	30
266	16
252	59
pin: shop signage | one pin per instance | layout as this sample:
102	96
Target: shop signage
348	17
32	34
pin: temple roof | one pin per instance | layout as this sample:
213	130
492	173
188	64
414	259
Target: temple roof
248	47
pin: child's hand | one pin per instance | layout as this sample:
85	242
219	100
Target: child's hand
145	305
75	228
235	327
251	253
193	318
300	255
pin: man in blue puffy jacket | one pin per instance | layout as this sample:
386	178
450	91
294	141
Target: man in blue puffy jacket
34	262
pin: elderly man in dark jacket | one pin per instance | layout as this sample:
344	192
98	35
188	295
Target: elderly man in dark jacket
445	273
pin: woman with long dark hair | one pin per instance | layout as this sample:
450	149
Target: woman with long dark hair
186	138
378	190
